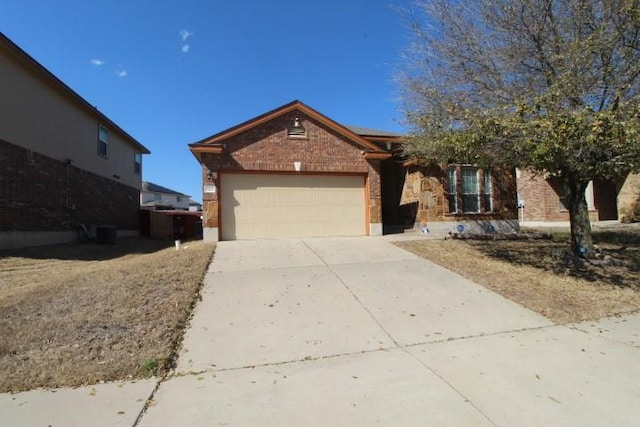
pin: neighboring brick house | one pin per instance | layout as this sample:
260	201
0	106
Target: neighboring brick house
294	172
291	172
62	162
543	200
157	197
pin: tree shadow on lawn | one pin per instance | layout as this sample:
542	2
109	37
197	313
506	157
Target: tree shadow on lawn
555	256
91	251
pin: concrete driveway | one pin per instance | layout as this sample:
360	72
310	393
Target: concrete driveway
355	331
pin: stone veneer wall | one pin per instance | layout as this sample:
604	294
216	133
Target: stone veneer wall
424	199
628	196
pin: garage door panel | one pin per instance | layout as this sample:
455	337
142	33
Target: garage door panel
258	206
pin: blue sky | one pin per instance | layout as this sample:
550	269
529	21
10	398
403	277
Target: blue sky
171	72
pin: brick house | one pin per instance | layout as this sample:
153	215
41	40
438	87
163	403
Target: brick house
294	172
543	200
62	162
290	172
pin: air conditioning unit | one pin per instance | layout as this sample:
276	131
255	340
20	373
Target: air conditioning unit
106	234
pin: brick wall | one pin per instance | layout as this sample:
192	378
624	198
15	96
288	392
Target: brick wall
42	194
541	199
267	148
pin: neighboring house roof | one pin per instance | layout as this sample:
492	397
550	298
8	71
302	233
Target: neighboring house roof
53	81
375	135
214	144
155	188
372	132
194	203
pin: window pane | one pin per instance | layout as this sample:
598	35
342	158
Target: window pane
453	203
469	181
103	134
103	141
562	196
488	203
470	203
452	180
563	205
137	162
470	190
488	191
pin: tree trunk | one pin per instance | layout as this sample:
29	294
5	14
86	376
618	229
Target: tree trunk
581	239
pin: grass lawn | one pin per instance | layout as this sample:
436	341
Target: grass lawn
84	313
534	273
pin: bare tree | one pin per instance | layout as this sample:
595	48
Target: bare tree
548	85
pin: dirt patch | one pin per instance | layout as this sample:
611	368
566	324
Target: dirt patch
84	313
539	275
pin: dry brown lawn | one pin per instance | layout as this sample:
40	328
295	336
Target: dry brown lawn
84	313
534	273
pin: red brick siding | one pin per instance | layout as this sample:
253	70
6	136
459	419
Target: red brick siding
541	200
39	193
267	148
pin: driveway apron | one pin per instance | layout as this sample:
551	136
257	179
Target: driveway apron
356	331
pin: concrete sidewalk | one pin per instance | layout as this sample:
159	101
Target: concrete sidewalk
357	332
110	404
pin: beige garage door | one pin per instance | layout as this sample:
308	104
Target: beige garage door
265	205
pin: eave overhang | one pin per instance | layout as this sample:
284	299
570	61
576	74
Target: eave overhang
49	79
198	149
376	155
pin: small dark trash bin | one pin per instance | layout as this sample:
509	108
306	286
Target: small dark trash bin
106	234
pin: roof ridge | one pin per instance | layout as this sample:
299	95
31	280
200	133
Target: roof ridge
152	187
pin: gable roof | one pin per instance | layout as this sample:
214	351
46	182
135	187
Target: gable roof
50	79
214	143
155	188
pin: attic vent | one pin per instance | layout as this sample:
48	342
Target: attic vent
297	131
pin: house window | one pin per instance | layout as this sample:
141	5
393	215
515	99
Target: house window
488	191
157	197
562	197
103	142
464	190
137	162
179	199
